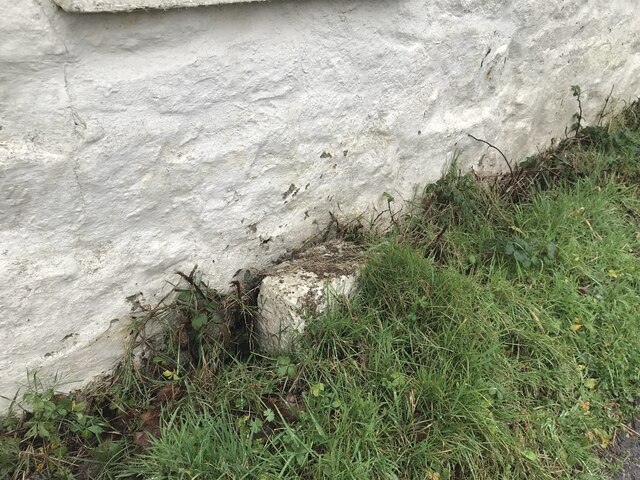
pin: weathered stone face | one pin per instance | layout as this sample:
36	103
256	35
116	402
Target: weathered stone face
303	288
136	144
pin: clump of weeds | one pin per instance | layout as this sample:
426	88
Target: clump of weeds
91	433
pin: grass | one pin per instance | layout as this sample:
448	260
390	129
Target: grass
495	335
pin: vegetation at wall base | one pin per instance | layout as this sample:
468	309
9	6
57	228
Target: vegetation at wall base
496	335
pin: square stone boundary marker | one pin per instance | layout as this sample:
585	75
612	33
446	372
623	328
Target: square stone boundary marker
89	6
301	289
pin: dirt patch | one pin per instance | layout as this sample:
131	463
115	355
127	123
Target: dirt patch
627	449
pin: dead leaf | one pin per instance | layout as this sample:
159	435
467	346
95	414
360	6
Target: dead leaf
412	401
150	427
142	439
168	392
426	203
583	290
576	325
183	337
288	408
363	360
150	418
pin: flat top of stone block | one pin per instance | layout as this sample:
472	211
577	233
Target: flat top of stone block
328	260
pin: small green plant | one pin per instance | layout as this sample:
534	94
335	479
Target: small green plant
317	389
286	367
9	453
576	91
51	414
42	440
47	413
530	252
85	425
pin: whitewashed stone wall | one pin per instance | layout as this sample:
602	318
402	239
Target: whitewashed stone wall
135	144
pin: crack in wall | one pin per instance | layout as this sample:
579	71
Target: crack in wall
78	122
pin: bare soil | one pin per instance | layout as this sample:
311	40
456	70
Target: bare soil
627	448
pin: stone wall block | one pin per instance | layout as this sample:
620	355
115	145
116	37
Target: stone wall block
301	289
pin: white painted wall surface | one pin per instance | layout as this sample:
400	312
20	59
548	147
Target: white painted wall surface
135	144
130	5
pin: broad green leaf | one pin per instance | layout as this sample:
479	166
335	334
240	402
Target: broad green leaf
199	321
316	389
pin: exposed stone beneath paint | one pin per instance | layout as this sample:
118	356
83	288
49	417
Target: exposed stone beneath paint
299	290
136	144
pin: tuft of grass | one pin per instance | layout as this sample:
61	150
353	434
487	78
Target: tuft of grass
495	335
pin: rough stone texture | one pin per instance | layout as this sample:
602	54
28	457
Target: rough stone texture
135	144
302	288
129	5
